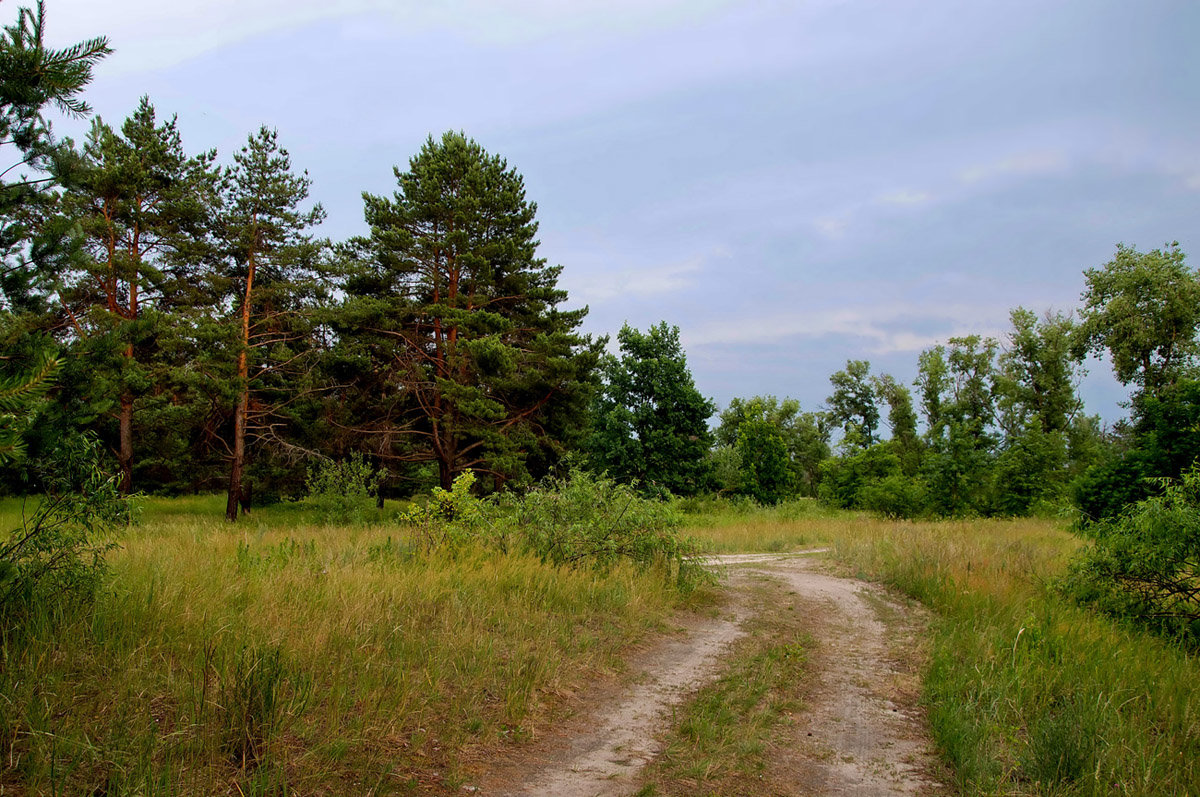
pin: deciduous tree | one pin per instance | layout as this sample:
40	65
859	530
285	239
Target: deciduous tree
852	405
651	423
1144	309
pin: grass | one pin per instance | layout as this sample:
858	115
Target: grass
281	656
278	657
722	738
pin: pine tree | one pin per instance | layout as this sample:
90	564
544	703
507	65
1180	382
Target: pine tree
272	279
460	319
33	76
145	210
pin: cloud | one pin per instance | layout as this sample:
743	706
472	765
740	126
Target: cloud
152	34
1028	163
905	198
637	283
884	330
831	226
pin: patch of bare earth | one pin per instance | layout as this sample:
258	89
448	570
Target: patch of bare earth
862	731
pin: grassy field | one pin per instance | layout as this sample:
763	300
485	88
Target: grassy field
279	656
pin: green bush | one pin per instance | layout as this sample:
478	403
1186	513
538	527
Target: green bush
579	521
343	491
588	520
1145	564
453	517
56	556
894	496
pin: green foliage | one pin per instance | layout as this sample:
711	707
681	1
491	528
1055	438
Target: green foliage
1144	565
453	517
725	469
1038	374
343	491
957	383
873	479
902	420
1164	438
805	436
765	473
895	495
56	556
144	210
852	404
581	521
593	521
448	301
33	76
1029	470
18	396
650	421
1144	309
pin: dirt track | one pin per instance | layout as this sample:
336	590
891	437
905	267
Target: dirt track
861	733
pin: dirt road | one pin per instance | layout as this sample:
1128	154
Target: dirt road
862	731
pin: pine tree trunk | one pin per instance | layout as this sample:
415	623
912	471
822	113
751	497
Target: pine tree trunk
239	416
239	452
125	455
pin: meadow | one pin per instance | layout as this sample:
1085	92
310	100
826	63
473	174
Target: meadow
288	656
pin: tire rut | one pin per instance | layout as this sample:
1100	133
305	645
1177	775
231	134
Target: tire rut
862	731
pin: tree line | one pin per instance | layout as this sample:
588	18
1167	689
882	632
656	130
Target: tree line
182	310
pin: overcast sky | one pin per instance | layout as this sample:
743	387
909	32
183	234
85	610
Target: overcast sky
792	184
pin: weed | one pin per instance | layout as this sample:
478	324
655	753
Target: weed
258	696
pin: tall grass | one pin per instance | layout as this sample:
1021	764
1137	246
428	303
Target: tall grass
276	657
1027	693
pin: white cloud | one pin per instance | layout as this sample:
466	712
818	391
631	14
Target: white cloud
905	198
637	283
1028	163
831	226
885	330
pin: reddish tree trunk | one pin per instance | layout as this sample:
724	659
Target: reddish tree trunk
239	417
125	456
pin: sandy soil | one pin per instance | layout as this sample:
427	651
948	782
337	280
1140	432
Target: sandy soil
862	731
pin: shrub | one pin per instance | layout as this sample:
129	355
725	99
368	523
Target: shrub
580	521
894	496
455	516
56	557
1145	564
343	490
591	520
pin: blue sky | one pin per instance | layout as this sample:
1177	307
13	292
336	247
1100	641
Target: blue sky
791	183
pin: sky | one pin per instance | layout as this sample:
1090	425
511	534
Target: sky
792	184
